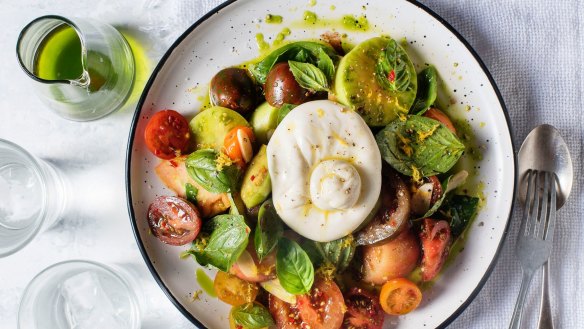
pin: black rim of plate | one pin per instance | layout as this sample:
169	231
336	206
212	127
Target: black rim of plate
161	64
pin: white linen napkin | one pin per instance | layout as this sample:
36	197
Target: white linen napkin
534	50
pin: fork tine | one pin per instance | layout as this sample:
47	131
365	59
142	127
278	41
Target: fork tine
551	222
528	202
534	214
544	210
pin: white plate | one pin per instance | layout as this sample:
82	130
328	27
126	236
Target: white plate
226	37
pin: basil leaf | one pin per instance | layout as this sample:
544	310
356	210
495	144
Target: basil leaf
197	246
302	56
228	238
449	184
233	206
302	51
191	193
284	110
427	90
460	209
419	145
268	230
338	253
202	167
326	65
309	76
438	202
252	316
391	69
314	252
293	267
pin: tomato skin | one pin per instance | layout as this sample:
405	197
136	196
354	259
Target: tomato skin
436	114
282	88
399	296
363	310
173	220
240	153
262	271
285	315
234	291
167	134
234	89
393	214
323	307
436	189
392	259
436	239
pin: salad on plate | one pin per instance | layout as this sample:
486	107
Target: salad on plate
321	184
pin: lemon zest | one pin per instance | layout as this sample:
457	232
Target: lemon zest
348	241
223	161
422	135
201	242
196	295
416	176
327	270
404	145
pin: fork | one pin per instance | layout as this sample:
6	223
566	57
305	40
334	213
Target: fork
536	233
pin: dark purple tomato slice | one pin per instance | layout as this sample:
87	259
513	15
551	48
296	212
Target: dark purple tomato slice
174	220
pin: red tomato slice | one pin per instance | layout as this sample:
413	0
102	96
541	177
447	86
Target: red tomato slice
324	307
173	220
167	134
363	310
436	239
285	315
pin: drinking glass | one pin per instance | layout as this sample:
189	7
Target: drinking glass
33	195
81	68
81	294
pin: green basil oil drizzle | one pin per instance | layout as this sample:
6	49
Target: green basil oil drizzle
205	283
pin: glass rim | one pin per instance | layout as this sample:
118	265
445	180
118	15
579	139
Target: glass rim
36	21
135	305
42	216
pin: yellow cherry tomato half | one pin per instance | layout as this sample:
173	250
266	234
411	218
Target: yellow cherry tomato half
233	290
399	296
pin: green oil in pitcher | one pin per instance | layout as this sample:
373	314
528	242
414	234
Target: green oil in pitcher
59	55
83	69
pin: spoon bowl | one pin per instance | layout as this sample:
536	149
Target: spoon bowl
544	149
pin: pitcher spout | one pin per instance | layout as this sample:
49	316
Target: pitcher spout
84	81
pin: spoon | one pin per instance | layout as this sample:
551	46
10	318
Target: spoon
545	149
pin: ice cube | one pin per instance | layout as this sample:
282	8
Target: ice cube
20	195
87	305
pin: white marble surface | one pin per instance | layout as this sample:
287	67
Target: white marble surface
507	35
91	155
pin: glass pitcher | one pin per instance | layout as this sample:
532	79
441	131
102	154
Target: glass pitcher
81	68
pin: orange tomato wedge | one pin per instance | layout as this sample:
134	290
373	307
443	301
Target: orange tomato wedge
238	144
